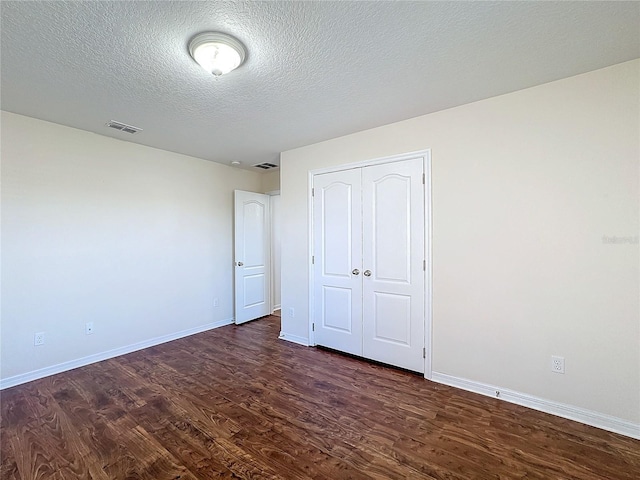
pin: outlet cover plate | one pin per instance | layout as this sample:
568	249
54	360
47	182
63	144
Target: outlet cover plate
557	364
38	339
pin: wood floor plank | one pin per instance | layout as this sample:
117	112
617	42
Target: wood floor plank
8	465
284	405
379	445
286	423
236	402
191	443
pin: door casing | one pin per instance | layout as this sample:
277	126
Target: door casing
426	158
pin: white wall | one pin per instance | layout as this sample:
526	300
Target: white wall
271	184
525	186
134	239
271	181
276	257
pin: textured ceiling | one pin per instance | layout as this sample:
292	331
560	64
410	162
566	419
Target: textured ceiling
315	70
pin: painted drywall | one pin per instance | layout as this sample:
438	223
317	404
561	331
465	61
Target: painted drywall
529	190
276	256
271	185
134	239
271	182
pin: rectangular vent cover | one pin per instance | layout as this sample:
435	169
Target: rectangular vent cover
123	127
266	166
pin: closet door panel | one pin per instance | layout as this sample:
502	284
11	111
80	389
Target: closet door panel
393	254
337	247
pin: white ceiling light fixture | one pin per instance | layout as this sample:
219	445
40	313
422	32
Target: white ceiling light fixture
218	53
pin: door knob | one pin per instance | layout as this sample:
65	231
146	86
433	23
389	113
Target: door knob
355	271
240	264
367	273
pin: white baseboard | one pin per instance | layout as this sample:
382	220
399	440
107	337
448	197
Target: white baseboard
589	417
294	338
276	307
98	357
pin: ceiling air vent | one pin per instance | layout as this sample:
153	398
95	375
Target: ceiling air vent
123	127
266	166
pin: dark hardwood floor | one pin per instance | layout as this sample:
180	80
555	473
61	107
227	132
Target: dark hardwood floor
236	402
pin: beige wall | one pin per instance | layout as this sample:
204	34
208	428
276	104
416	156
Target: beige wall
134	239
271	182
525	186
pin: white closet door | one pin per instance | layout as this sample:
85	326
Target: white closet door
337	250
393	254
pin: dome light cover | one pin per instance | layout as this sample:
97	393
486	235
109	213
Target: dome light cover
217	53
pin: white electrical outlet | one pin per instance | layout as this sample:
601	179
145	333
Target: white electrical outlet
557	364
292	312
38	339
88	328
215	302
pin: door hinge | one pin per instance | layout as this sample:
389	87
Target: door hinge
424	265
313	192
313	327
424	352
423	178
313	259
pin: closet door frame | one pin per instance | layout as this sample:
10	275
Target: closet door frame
425	155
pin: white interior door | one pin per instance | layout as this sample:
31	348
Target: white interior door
252	252
337	245
369	261
393	262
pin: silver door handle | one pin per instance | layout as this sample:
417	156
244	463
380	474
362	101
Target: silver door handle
367	273
240	264
355	271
